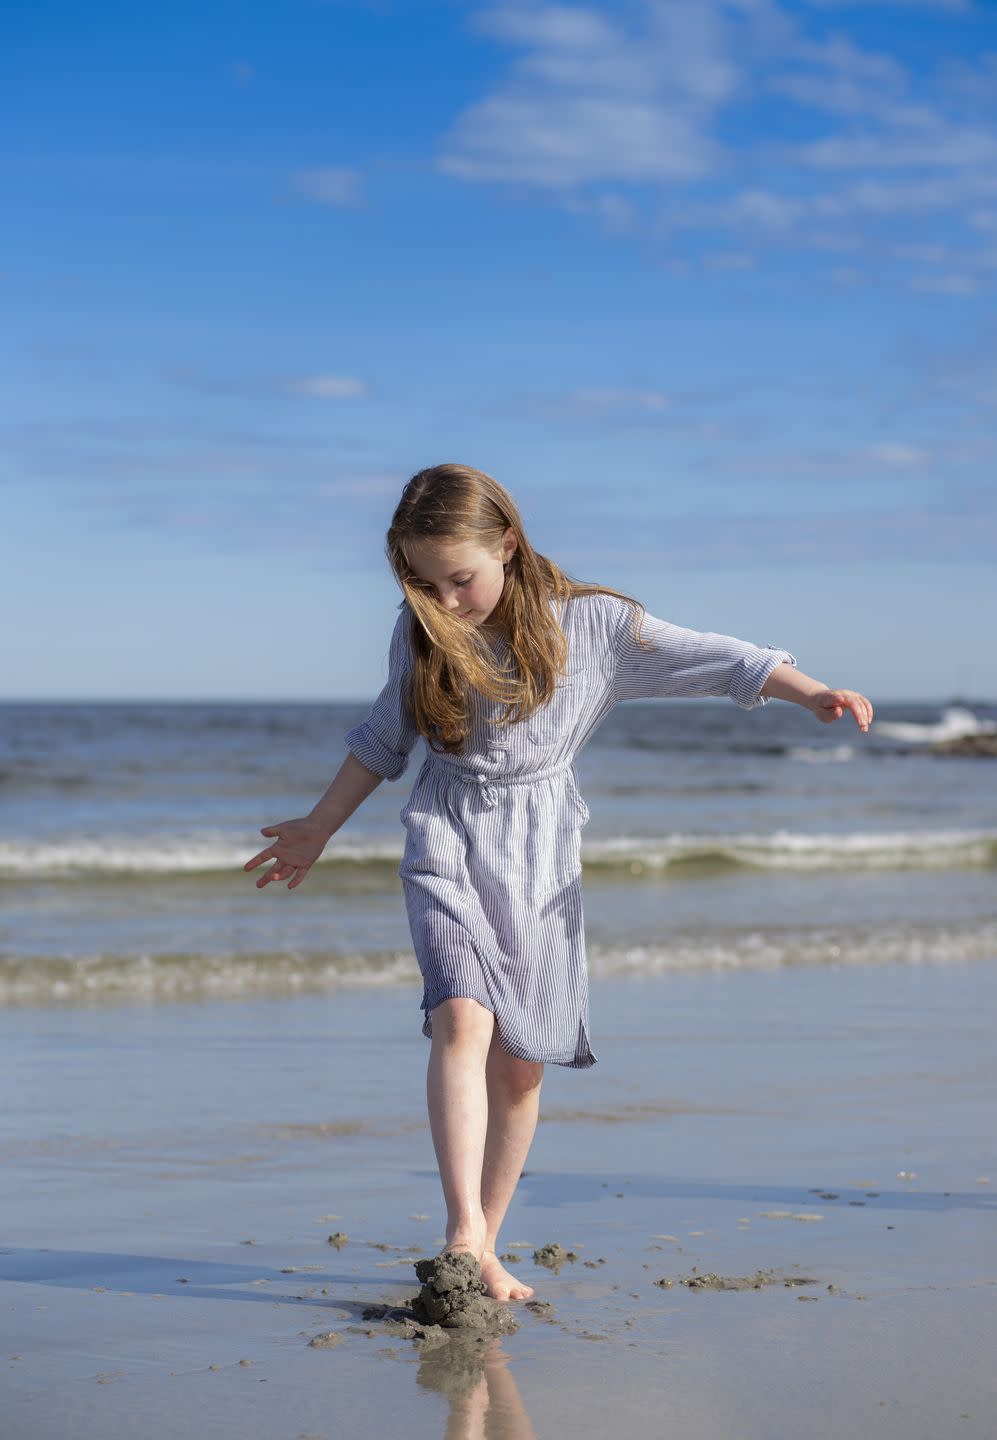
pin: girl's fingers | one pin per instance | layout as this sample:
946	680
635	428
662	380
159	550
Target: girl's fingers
836	702
276	872
259	859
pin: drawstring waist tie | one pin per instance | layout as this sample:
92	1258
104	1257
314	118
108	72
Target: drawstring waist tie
489	785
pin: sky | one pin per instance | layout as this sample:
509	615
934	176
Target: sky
708	285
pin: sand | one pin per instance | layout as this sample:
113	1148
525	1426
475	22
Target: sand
780	1192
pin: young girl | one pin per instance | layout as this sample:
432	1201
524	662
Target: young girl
506	667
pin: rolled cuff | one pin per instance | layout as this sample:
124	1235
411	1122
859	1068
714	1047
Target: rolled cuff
373	753
751	672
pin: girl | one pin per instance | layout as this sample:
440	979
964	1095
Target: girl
505	666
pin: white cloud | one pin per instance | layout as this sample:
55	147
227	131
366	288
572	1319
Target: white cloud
589	102
897	456
336	186
765	209
568	141
952	284
327	387
943	148
731	260
597	403
957	6
552	26
923	254
616	111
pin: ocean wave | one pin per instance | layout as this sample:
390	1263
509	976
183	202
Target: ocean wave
101	979
41	979
211	856
813	949
956	723
786	850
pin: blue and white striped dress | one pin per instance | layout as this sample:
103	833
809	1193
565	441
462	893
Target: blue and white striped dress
492	866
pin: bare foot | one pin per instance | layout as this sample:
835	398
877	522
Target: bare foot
499	1283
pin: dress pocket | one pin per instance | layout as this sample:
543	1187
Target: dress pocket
575	796
554	720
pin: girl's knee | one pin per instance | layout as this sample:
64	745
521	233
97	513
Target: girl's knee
462	1022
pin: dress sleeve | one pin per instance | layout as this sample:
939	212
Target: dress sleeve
690	663
383	741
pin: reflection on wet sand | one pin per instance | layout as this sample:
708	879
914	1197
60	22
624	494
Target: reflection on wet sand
476	1378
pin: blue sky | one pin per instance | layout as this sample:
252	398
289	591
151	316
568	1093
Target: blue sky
708	285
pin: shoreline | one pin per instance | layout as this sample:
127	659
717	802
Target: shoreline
727	1113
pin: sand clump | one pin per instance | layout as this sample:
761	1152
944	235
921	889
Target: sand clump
553	1256
453	1295
452	1305
328	1340
758	1281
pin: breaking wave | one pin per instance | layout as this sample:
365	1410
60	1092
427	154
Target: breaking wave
216	856
104	978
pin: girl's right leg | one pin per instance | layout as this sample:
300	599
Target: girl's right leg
457	1095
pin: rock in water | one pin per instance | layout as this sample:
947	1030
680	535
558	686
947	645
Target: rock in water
453	1295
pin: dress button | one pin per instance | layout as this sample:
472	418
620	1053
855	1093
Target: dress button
481	775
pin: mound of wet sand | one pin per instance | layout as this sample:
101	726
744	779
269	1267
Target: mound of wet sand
452	1305
453	1295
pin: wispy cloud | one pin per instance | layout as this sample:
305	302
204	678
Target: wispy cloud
653	117
951	284
957	6
590	102
336	186
596	404
321	387
328	387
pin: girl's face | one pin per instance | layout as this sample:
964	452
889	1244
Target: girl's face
464	577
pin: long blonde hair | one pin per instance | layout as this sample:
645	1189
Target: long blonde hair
450	504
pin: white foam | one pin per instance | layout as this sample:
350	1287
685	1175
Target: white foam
955	724
102	978
786	850
206	853
814	949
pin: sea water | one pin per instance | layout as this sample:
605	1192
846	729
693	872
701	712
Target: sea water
719	838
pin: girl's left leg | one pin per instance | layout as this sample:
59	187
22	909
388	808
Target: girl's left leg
513	1109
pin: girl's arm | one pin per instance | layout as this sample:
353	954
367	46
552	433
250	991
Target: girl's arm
378	749
348	790
297	844
787	683
694	663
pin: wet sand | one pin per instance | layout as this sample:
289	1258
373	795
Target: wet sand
775	1200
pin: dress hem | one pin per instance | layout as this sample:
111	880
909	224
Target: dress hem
576	1062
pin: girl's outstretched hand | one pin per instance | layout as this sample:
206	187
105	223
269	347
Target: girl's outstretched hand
298	845
830	705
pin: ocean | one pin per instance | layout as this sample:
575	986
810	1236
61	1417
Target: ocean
719	838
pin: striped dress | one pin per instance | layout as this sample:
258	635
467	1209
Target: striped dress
492	866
